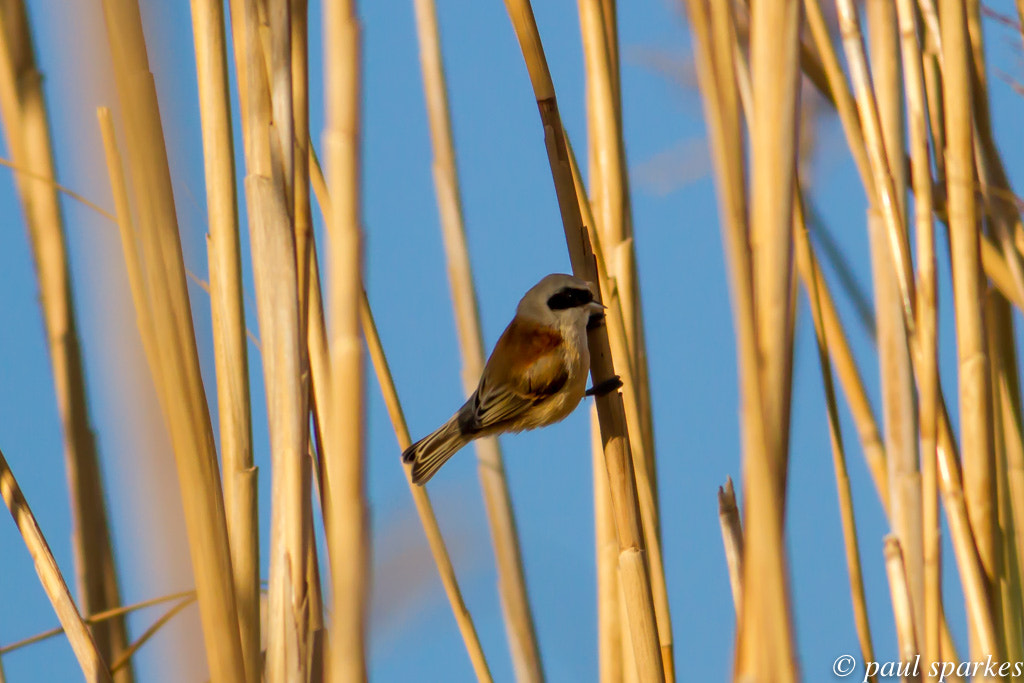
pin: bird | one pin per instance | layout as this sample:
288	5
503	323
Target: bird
536	374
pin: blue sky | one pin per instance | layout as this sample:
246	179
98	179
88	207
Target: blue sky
515	238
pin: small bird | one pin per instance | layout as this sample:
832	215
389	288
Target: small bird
536	375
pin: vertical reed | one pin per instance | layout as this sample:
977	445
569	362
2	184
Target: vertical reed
346	517
973	376
497	497
229	340
618	459
27	130
180	383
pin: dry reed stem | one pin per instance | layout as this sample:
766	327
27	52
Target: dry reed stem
184	401
93	666
975	396
732	540
420	497
646	488
127	232
229	332
949	475
855	394
901	605
346	518
497	499
97	618
632	564
423	506
28	138
839	89
1005	394
609	183
304	242
926	325
764	638
972	572
610	660
886	198
275	270
843	490
948	472
774	52
148	634
1008	393
849	378
279	57
717	74
610	612
899	406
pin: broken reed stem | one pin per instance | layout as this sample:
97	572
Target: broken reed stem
732	540
764	638
843	491
346	519
230	347
973	376
948	470
27	130
179	379
901	605
717	75
636	581
497	499
93	666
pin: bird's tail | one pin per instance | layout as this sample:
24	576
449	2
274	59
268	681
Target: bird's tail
429	453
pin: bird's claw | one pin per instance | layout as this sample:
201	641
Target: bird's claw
604	388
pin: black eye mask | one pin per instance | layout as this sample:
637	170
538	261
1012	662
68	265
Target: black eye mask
569	297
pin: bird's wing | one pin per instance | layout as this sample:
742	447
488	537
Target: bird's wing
507	390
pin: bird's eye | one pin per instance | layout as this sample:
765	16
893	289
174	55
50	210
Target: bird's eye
569	297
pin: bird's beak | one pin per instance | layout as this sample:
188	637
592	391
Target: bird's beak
596	307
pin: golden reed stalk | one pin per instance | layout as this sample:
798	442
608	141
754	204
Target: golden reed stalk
230	346
27	130
173	347
618	458
346	517
94	669
497	498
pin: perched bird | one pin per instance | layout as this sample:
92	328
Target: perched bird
536	375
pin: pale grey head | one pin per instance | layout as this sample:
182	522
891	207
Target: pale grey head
559	300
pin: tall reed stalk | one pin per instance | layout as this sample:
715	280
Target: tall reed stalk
179	383
497	497
611	412
27	131
346	516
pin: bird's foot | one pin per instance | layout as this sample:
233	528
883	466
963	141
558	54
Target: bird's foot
605	387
